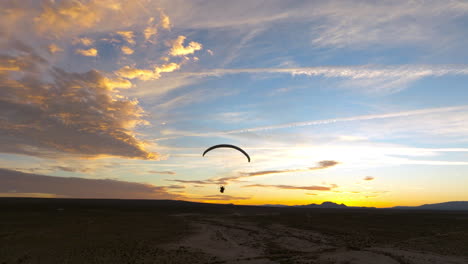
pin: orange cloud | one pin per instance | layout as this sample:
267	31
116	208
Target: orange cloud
165	21
290	187
76	113
92	52
178	49
54	49
324	164
127	35
61	17
145	74
84	41
134	73
127	50
170	67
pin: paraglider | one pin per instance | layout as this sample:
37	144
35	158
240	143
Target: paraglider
227	146
221	189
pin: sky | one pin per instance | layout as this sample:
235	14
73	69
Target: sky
357	102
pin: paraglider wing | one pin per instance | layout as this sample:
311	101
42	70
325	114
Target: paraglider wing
227	146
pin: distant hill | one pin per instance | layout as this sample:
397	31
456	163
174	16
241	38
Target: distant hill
455	206
323	205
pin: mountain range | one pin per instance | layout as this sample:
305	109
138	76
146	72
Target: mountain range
449	206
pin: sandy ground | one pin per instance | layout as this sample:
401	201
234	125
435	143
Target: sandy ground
228	241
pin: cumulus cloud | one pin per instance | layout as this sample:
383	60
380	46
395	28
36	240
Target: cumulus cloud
291	187
135	73
128	36
47	111
92	52
178	49
34	185
165	21
84	41
146	74
53	48
151	29
127	50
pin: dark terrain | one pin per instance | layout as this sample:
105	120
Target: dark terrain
152	231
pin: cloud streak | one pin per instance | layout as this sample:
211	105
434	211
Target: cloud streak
291	187
162	172
324	164
377	78
354	118
27	184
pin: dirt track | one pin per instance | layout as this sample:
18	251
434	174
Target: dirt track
243	242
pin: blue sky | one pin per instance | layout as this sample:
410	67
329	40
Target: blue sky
132	93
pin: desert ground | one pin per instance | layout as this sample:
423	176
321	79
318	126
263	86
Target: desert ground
144	231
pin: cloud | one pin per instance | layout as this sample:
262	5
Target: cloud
49	112
291	187
355	118
165	21
369	178
71	169
220	197
201	182
84	41
178	49
127	50
150	31
162	172
92	52
374	78
54	48
134	73
57	18
175	187
146	74
27	184
324	164
128	36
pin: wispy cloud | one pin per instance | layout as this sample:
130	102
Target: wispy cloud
17	182
355	118
373	78
291	187
324	164
162	172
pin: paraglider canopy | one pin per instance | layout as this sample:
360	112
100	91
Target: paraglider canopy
221	189
227	146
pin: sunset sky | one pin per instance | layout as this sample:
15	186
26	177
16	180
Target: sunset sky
356	102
